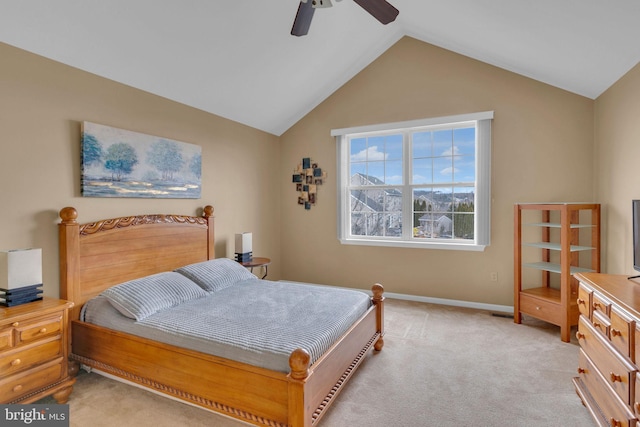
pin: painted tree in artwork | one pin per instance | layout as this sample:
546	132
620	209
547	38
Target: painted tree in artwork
91	150
196	165
166	157
120	160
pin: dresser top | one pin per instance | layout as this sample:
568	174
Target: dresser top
619	288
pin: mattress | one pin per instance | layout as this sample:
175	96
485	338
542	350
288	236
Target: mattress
257	322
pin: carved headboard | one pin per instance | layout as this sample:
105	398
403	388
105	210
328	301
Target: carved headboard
97	255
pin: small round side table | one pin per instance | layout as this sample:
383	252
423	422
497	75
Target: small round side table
263	263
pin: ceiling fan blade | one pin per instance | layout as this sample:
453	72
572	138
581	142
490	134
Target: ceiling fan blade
303	19
379	9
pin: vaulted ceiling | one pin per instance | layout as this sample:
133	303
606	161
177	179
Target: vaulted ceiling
236	58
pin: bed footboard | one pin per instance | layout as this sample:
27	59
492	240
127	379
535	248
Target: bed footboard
312	391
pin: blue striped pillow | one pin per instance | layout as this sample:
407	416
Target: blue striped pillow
216	274
142	297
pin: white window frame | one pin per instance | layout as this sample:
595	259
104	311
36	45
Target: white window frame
482	203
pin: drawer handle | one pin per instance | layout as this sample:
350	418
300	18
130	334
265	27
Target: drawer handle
17	388
581	301
43	331
538	308
581	370
615	333
579	335
596	305
596	324
615	423
15	362
615	378
15	324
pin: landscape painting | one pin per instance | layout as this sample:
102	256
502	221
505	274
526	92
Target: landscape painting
122	163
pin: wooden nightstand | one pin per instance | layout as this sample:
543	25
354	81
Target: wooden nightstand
34	352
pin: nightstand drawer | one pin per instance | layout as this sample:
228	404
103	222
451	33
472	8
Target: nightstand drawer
540	308
26	357
619	374
27	332
19	385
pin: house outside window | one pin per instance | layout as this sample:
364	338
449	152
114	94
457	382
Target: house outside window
423	183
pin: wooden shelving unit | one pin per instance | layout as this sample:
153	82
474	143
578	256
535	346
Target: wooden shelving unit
564	229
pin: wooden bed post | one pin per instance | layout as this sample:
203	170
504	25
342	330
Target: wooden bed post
299	412
208	215
378	300
69	235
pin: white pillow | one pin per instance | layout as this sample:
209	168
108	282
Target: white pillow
216	274
143	297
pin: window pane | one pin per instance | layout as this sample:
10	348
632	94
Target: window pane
377	159
421	144
376	212
464	168
443	142
464	141
393	147
422	171
442	170
358	170
376	172
464	211
393	172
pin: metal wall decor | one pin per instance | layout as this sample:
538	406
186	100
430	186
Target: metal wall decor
307	176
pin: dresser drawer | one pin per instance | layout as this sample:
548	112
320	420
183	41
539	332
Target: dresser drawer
18	385
617	372
584	300
601	323
622	332
540	309
28	356
613	410
36	329
6	339
600	303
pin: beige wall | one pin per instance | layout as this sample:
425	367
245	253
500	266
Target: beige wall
42	104
542	151
617	162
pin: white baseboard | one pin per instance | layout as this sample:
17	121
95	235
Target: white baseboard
507	309
456	303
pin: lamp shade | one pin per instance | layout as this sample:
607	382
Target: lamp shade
244	243
20	267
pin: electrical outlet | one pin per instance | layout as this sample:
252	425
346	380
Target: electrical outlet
493	276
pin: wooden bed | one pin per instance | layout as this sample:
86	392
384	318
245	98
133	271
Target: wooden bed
98	255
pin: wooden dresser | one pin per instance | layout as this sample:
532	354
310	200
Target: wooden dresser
34	351
608	379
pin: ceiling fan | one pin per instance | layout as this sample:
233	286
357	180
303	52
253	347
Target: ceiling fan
379	9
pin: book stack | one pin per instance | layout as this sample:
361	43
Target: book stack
25	294
244	250
20	276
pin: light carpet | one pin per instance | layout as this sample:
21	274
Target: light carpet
440	366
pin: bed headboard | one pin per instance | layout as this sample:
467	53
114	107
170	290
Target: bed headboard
97	255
